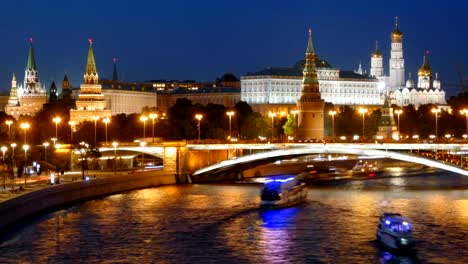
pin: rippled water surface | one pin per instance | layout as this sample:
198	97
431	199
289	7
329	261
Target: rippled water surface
222	224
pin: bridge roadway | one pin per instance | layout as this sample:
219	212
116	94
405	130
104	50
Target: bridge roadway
157	149
275	151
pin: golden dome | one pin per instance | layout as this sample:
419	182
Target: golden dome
376	53
425	69
397	34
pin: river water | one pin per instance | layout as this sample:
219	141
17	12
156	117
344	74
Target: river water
222	224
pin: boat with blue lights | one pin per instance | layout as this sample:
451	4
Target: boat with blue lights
395	231
282	192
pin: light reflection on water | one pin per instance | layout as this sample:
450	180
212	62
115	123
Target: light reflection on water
222	223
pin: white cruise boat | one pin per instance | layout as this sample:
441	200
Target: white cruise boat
282	192
395	231
365	167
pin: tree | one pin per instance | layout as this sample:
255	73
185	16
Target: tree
290	126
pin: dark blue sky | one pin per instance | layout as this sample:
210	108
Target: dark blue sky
203	39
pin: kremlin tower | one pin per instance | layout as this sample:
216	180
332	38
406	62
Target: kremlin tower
376	69
90	103
310	105
28	98
397	62
387	126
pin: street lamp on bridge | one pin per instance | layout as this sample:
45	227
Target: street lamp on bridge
153	116
272	115
436	111
465	113
9	122
199	118
398	112
363	111
56	120
106	121
333	113
230	114
115	144
26	148
25	126
143	119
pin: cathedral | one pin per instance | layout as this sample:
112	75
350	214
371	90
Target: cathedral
426	91
27	98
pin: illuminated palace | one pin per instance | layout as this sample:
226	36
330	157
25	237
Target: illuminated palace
90	103
426	91
27	98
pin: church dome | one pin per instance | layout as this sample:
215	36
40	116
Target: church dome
376	54
425	69
409	83
397	34
436	82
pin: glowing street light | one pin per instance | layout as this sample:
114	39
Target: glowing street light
26	148
363	111
4	149
9	122
56	120
272	115
436	111
199	118
230	114
115	144
106	121
25	126
72	128
95	118
398	112
45	144
143	119
153	116
465	113
333	113
53	139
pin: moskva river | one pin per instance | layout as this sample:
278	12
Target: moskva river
222	224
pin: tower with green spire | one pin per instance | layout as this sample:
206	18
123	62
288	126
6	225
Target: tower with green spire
387	126
32	86
310	105
91	103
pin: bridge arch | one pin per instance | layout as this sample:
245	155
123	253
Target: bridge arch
324	149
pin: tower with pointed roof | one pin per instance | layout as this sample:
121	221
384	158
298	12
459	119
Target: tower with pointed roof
425	74
376	69
53	92
310	105
387	126
29	96
115	77
66	88
13	98
397	62
90	103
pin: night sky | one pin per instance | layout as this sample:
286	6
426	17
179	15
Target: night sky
201	40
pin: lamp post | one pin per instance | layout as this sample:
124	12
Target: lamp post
199	118
72	127
45	144
56	120
54	140
398	112
115	144
25	147
9	122
143	119
4	149
143	144
436	111
95	118
153	116
230	114
363	111
25	126
465	113
106	121
272	115
333	113
13	158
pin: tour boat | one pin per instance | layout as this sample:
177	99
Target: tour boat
283	192
395	231
365	167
